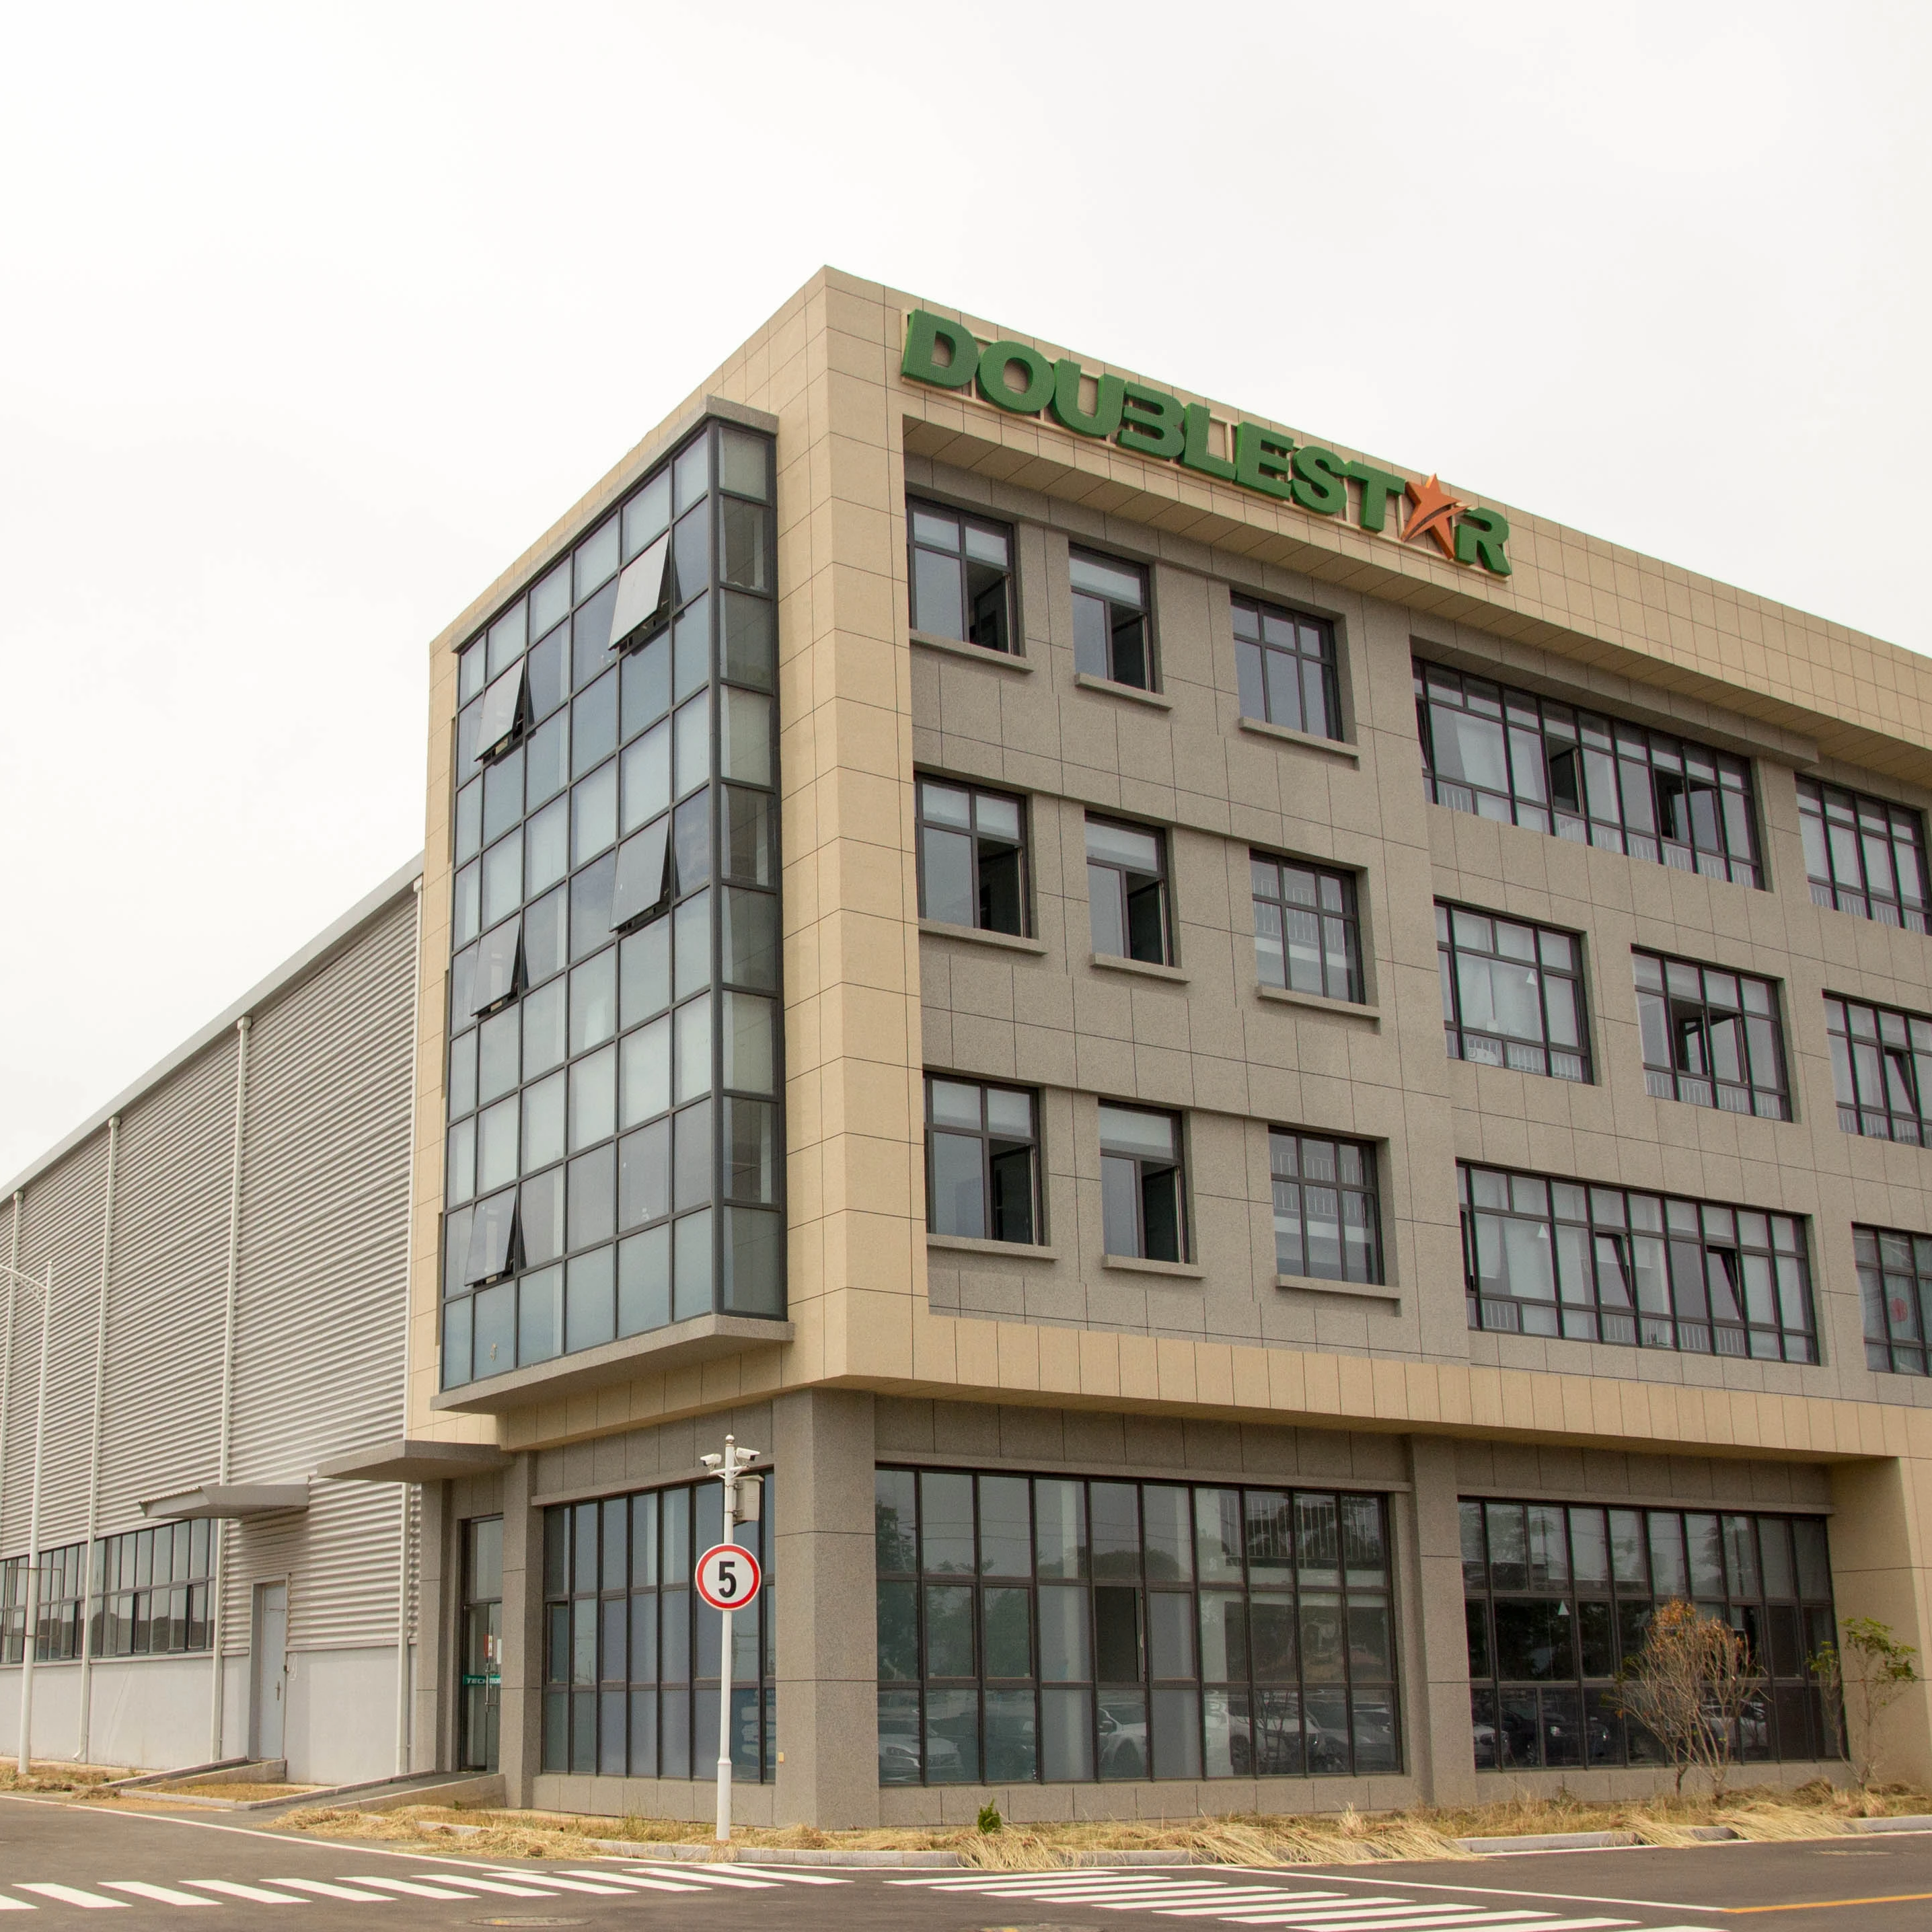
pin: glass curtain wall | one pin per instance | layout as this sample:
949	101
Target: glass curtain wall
631	1665
615	1157
1052	1629
1558	1600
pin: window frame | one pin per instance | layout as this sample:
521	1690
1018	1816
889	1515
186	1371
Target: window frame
1523	1555
1908	1060
1347	886
1903	832
1366	1190
1147	1167
1321	1560
1891	1347
1630	1268
1036	1236
1664	1005
1603	753
1124	895
1150	680
976	840
964	521
1451	950
1251	653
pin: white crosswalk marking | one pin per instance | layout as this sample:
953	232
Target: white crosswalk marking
584	1884
485	1884
161	1894
72	1894
323	1889
702	1875
784	1875
254	1894
408	1887
16	1904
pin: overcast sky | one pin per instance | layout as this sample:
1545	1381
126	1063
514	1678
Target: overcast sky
312	316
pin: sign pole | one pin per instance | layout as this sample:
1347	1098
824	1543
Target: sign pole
726	1468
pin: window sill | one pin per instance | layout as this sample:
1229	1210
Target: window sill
1320	1002
969	1244
974	653
1133	1265
1363	1291
1086	681
978	935
1332	748
1112	962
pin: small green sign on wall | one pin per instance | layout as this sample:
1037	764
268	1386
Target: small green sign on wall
1015	376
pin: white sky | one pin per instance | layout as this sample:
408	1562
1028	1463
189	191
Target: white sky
311	316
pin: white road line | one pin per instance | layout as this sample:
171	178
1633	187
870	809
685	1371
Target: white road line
579	1885
323	1889
409	1887
72	1894
656	1878
161	1894
252	1893
1514	1891
1452	1920
1244	1895
16	1904
484	1884
784	1875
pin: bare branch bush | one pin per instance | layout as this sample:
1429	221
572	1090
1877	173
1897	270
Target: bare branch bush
1864	1676
1690	1687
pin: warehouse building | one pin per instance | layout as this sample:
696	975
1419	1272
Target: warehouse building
223	1251
1281	1097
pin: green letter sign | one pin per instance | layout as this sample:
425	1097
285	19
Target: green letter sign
1018	378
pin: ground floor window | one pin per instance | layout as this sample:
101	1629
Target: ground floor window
1051	1628
151	1589
630	1662
60	1605
1558	1598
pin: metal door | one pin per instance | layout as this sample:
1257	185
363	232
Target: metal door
270	1651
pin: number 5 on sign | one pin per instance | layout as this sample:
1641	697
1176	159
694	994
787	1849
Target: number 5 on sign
728	1576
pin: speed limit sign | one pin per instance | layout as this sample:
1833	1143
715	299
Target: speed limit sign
728	1576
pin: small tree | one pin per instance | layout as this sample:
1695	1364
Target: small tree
1870	1671
1689	1687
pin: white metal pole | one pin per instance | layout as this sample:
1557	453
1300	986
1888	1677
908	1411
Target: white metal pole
406	1491
30	1632
7	1351
87	1552
730	1473
217	1584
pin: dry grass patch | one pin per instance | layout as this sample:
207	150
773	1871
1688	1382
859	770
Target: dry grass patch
242	1792
49	1777
1818	1810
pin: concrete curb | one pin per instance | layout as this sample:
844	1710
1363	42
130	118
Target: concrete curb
1920	1822
1551	1841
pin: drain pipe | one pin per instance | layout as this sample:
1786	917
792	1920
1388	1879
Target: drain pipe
407	1490
218	1583
89	1554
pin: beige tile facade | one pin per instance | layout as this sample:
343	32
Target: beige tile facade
1057	1359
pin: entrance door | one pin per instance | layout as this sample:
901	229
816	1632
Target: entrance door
482	1658
270	1652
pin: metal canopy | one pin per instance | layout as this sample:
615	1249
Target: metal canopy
228	1500
402	1459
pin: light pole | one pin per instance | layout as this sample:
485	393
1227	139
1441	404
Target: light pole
15	1280
729	1468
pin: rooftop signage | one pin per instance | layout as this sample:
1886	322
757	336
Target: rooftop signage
1016	377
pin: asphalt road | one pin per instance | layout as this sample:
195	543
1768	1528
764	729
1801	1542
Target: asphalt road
65	1860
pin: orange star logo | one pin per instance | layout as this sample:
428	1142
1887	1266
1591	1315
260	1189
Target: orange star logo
1433	507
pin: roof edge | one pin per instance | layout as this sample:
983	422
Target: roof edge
299	966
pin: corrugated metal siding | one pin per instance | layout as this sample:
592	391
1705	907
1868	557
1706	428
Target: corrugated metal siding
160	1416
324	1257
62	1221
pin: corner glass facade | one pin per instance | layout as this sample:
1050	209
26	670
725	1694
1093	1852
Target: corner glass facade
1558	1599
1052	1629
615	1159
631	1665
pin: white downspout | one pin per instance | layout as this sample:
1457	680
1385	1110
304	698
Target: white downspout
406	1490
7	1347
218	1582
87	1552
